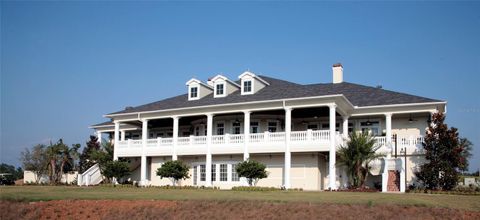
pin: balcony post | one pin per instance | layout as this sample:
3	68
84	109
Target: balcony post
116	139
332	151
122	135
246	133
309	135
388	128
345	126
175	137
143	164
99	137
288	155
227	138
208	165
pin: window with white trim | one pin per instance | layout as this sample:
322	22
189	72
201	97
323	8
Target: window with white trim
247	86
236	128
312	127
235	177
220	128
327	126
272	126
254	127
219	89
202	172
371	127
193	92
223	172
214	172
195	175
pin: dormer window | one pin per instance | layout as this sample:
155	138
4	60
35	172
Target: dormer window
219	89
223	86
247	86
193	92
197	89
251	83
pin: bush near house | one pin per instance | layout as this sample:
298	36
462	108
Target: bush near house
116	169
252	170
174	169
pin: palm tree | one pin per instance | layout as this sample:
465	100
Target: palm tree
358	152
68	157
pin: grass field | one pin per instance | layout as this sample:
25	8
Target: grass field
46	193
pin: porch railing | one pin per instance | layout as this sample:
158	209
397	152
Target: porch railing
412	143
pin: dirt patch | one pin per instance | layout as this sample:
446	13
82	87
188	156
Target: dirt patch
141	209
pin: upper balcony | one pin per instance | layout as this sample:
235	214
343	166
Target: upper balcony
267	142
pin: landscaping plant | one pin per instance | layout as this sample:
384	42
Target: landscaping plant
174	169
252	170
356	155
446	153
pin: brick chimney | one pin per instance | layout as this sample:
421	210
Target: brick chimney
337	73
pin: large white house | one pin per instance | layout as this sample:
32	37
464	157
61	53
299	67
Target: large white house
294	129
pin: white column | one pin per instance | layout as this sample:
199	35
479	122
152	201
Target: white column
385	175
116	138
345	126
143	164
288	155
99	137
402	174
246	133
122	135
388	128
332	151
175	136
208	165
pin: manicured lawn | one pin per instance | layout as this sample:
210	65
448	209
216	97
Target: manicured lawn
37	193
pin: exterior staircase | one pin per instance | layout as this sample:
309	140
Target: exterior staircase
92	176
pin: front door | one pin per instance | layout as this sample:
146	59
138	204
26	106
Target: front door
393	184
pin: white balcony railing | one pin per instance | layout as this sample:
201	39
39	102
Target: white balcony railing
301	141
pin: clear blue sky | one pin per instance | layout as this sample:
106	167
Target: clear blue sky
65	64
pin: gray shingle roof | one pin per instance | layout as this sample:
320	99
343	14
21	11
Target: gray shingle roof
358	95
107	123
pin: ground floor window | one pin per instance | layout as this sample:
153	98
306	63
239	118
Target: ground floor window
226	173
223	172
202	172
195	175
235	177
214	172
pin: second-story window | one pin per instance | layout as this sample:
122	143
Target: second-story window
247	86
194	92
220	88
254	127
272	126
236	127
312	127
371	127
220	128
